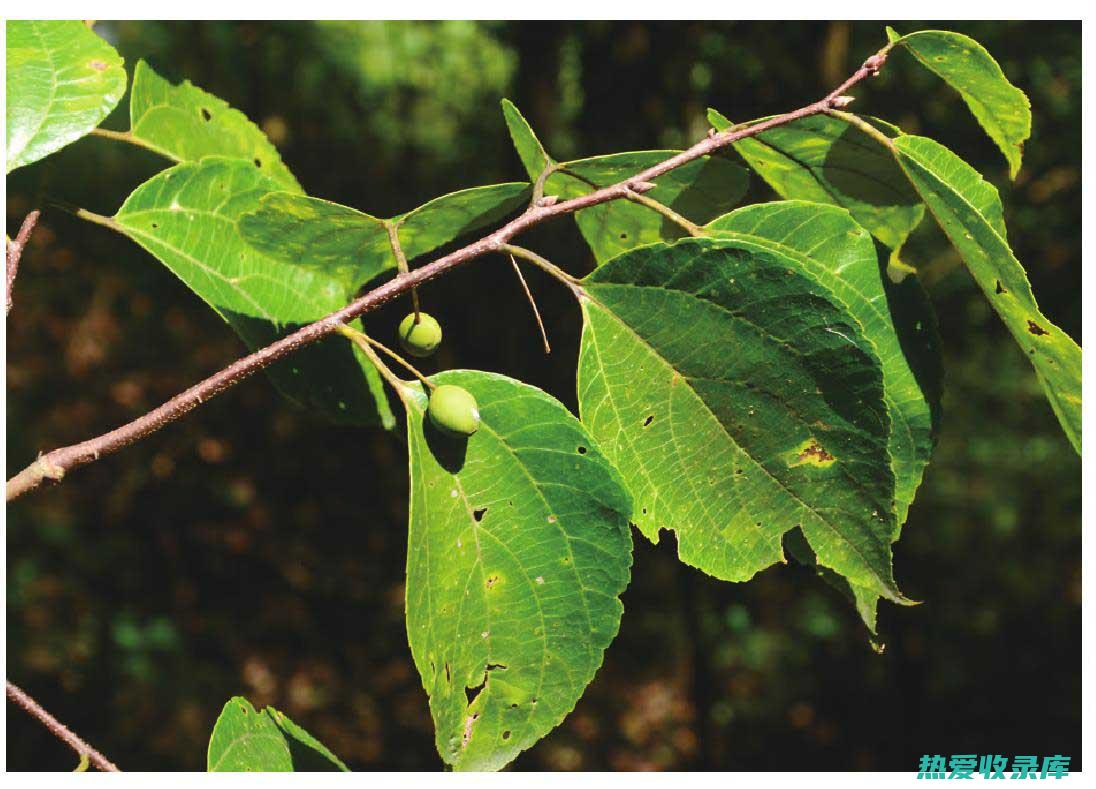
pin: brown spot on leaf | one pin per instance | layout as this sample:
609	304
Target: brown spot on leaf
816	454
1000	288
98	65
1036	329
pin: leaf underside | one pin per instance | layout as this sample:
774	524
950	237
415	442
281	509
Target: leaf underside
186	217
739	401
518	550
62	79
969	212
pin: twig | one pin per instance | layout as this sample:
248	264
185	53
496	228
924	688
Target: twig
15	251
59	730
54	465
532	303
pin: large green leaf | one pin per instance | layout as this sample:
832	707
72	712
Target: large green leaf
1003	109
739	400
62	79
354	246
699	191
827	160
186	217
245	740
969	210
897	319
518	550
185	123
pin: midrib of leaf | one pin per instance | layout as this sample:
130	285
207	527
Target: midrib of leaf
817	512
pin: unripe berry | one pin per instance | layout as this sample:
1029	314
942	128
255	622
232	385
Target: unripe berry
420	339
453	410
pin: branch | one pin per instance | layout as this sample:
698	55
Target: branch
15	250
59	730
54	465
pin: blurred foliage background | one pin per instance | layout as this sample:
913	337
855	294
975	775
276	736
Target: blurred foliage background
250	549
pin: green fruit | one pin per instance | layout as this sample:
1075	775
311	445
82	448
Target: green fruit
453	410
420	339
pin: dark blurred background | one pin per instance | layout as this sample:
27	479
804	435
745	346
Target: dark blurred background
250	549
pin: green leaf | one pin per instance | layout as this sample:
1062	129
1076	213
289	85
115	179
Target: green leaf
62	79
969	210
739	401
355	247
185	123
518	550
186	217
530	151
896	318
247	740
1001	108
827	160
699	191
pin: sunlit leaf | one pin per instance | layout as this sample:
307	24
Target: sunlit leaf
739	400
355	247
530	151
185	123
518	550
62	79
1003	109
186	217
969	211
246	740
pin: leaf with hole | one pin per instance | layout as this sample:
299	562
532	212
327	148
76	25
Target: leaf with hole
185	123
699	191
827	160
354	246
1000	107
62	79
969	212
248	740
738	399
518	550
186	217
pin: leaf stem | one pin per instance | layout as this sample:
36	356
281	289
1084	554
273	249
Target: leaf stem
365	343
131	139
855	120
19	697
527	254
401	262
55	464
689	227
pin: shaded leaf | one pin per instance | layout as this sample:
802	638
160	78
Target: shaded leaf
968	210
62	79
699	191
355	247
896	318
186	217
827	160
247	740
1001	108
185	123
518	550
738	400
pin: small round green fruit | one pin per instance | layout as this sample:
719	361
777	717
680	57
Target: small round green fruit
453	411
422	338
